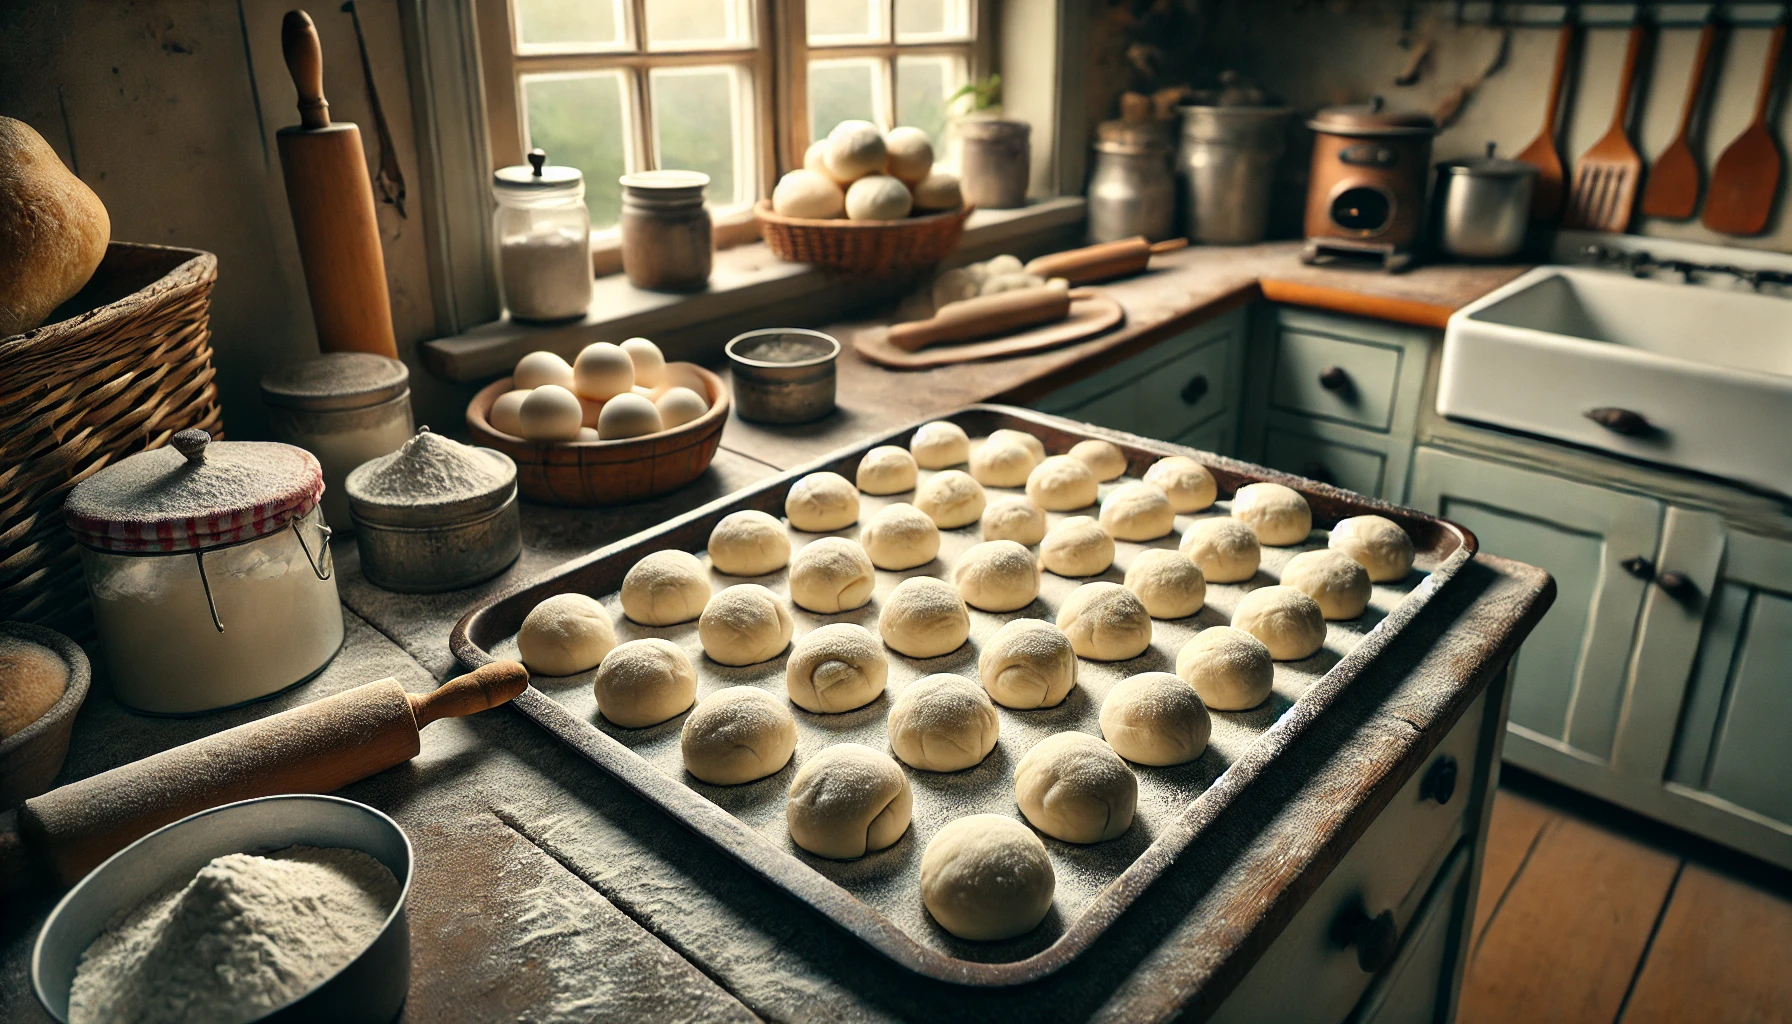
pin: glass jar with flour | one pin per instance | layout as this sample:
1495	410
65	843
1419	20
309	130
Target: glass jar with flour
543	234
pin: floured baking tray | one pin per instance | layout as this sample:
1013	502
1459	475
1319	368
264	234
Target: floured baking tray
877	898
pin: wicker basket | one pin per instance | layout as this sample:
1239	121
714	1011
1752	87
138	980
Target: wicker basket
863	247
127	365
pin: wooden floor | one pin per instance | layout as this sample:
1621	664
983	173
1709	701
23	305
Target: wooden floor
1589	915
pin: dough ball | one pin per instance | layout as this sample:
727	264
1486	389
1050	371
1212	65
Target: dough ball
900	536
847	801
743	625
1187	483
836	668
679	406
909	155
997	576
1073	787
878	197
1137	511
1331	578
809	196
550	413
987	877
1225	549
1278	515
737	734
628	415
815	160
1155	718
1078	546
886	469
604	371
938	191
1230	669
665	588
1378	544
943	723
1104	458
1020	437
831	575
924	618
1002	464
855	149
506	415
1013	517
645	682
538	368
939	444
32	679
1028	664
1288	622
951	499
1061	483
564	634
649	362
749	543
1105	622
1167	583
822	502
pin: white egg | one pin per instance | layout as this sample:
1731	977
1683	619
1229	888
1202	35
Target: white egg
855	149
910	155
683	375
628	415
603	371
650	362
550	413
878	197
538	368
504	416
808	195
679	406
587	433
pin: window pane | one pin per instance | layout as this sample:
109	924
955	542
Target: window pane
922	85
568	24
698	24
834	22
581	120
928	20
841	90
701	123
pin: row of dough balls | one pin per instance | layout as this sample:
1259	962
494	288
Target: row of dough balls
863	174
609	392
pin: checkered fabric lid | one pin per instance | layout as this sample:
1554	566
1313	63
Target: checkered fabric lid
194	494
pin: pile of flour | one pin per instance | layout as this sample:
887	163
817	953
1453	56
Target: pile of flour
247	935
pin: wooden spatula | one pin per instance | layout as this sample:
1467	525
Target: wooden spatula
1747	175
1546	193
1672	190
1606	176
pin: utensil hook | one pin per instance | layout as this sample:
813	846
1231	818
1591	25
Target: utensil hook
199	556
322	573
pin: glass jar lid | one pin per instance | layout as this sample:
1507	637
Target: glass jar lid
537	176
336	380
1372	118
194	494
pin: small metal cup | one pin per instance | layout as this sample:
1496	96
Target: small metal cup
783	374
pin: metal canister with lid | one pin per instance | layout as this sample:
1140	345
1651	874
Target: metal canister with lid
1131	191
1483	206
344	408
435	515
210	572
668	242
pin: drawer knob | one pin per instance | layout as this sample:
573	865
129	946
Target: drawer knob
1375	938
1336	379
1678	585
1440	782
1627	422
1195	389
1640	567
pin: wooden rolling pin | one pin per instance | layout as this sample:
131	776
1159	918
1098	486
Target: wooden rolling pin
983	317
317	748
332	209
1103	262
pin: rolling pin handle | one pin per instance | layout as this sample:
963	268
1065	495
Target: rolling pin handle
485	687
1170	245
305	60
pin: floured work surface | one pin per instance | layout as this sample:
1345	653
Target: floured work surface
881	902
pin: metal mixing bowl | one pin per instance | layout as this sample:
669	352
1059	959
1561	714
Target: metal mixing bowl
370	988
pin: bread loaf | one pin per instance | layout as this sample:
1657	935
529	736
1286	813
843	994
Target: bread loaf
53	230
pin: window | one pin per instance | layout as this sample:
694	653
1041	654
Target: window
890	62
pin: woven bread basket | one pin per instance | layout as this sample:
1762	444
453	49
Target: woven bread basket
127	365
863	247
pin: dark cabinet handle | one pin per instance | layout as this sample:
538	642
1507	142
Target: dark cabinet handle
1375	938
1640	567
1316	470
1627	422
1335	378
1440	782
1678	585
1195	389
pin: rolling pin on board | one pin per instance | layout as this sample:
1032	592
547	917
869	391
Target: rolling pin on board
332	206
1102	262
316	748
970	319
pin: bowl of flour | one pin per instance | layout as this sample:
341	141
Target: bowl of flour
274	909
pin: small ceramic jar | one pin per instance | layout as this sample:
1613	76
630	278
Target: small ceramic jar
344	408
667	240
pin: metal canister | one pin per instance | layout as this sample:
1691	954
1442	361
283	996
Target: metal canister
1131	191
1227	166
344	408
668	243
428	533
1483	206
783	374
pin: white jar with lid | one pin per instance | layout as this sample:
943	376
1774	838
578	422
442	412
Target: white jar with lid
343	407
209	568
543	234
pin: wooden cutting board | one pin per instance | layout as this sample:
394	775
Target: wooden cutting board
1091	313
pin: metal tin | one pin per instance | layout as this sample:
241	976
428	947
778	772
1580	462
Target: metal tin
1227	166
344	408
370	988
783	374
668	243
1131	191
1483	206
426	547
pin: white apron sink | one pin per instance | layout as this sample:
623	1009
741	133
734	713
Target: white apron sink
1692	377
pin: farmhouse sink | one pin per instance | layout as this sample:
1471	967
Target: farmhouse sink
1697	378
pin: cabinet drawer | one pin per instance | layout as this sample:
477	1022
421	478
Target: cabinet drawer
1349	381
1162	400
1346	466
1309	975
1413	989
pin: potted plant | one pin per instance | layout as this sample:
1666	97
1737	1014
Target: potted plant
993	163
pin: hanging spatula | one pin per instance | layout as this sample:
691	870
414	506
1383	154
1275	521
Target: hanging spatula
1606	176
1747	175
1546	193
1672	190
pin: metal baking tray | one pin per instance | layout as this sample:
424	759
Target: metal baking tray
877	898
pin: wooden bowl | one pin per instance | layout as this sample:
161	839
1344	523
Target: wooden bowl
31	757
585	473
